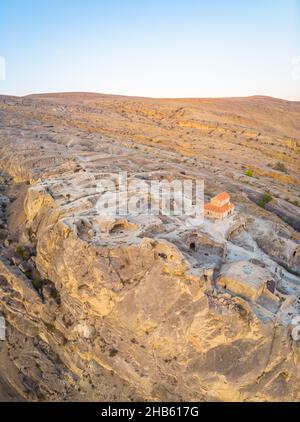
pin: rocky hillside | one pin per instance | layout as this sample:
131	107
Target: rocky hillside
139	308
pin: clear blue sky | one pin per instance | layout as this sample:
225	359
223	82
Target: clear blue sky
159	48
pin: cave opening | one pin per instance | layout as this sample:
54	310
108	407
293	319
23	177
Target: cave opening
192	246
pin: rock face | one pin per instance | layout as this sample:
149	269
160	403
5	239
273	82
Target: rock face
245	279
141	308
2	329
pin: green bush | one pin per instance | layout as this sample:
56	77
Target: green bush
22	252
249	173
264	200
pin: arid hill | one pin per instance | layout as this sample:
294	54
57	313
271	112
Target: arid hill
148	307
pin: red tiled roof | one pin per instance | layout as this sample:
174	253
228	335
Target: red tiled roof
222	196
221	210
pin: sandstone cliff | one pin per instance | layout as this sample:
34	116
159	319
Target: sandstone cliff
130	309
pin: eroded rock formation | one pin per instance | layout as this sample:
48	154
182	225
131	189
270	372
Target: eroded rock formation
134	308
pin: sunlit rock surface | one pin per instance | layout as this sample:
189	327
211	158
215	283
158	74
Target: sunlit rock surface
148	308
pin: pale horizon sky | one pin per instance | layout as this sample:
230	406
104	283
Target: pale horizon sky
191	48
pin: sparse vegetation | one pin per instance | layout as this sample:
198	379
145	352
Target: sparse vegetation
19	251
37	283
264	200
3	235
193	258
22	252
113	352
280	167
50	327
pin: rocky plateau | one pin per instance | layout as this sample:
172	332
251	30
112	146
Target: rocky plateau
147	307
